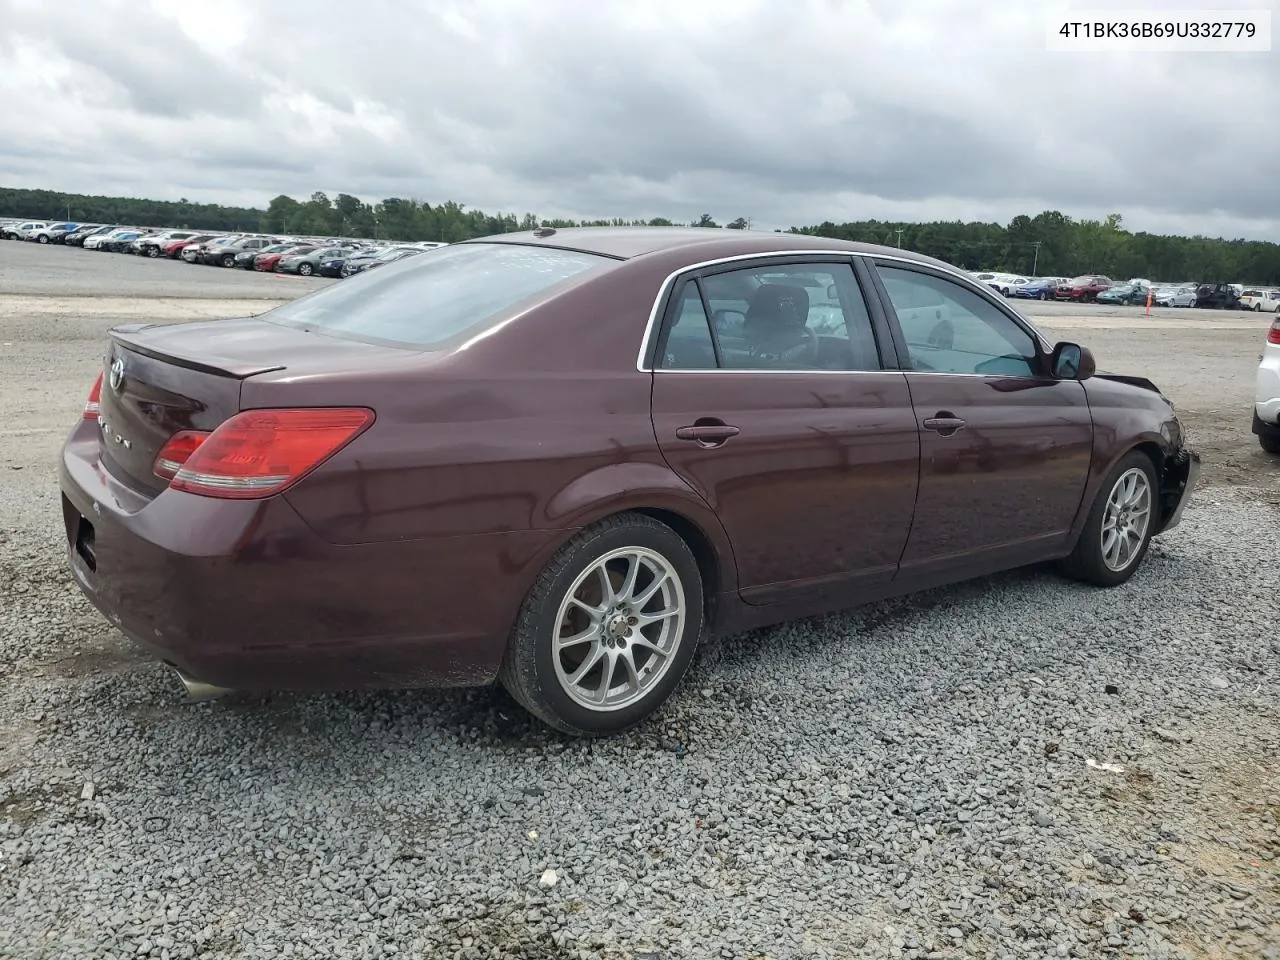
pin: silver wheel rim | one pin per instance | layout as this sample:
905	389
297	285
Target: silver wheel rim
618	629
1126	518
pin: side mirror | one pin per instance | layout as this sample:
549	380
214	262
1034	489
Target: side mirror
1070	361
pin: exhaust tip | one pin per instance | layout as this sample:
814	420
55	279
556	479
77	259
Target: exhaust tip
198	690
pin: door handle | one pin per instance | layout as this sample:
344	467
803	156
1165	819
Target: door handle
707	432
944	422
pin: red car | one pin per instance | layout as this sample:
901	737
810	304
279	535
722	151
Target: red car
174	249
562	458
1084	289
266	261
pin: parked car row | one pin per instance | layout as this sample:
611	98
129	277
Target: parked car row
1097	288
337	257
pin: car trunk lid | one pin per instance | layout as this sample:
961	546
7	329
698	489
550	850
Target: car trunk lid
162	379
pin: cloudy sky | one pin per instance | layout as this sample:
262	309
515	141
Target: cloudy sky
783	111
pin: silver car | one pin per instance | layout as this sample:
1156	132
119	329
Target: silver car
1184	296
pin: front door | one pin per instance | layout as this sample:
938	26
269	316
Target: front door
770	401
1004	447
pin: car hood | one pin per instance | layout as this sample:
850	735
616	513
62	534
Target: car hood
1131	380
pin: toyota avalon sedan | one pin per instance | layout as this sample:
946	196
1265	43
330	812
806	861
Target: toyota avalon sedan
561	459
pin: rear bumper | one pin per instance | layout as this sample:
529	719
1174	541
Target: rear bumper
244	595
1266	393
1177	481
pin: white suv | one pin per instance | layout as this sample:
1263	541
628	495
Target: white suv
1261	301
1266	400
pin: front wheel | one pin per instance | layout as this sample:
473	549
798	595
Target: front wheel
1118	531
609	628
305	269
42	239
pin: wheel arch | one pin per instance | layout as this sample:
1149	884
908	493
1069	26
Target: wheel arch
709	562
653	490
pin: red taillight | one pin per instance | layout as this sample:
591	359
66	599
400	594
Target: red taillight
92	405
1273	335
177	452
259	453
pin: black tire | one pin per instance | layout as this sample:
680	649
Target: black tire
305	269
153	250
529	669
229	260
1086	562
1268	436
43	238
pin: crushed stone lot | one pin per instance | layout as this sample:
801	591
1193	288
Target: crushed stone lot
1015	767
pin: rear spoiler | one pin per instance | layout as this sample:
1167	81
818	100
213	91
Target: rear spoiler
152	345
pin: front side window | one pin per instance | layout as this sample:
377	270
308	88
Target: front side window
427	301
950	329
779	317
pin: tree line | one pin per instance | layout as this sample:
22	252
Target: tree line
1050	243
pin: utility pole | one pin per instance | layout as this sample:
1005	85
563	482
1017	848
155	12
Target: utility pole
1036	262
899	233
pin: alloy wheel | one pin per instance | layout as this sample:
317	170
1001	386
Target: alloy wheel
618	629
1125	519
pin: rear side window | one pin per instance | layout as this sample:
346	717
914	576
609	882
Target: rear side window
439	296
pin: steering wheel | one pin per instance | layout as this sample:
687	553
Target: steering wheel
806	351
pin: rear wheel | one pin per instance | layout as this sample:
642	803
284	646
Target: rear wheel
305	269
609	628
153	251
42	238
1268	435
1118	531
228	259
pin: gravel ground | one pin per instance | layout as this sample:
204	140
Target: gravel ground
1016	767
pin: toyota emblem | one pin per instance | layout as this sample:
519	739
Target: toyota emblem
117	373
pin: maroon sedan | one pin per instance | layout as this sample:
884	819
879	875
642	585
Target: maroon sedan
563	458
1083	289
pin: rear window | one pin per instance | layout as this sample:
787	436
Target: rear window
441	295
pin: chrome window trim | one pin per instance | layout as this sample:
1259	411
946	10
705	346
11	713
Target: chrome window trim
953	272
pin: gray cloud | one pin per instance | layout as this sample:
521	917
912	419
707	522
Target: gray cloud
788	113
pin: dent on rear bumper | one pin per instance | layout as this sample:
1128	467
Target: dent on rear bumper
242	594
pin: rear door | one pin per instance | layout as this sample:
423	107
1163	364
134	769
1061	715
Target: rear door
770	399
1004	447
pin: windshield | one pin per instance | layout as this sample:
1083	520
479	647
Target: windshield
442	295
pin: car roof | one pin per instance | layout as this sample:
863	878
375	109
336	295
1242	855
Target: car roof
703	243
